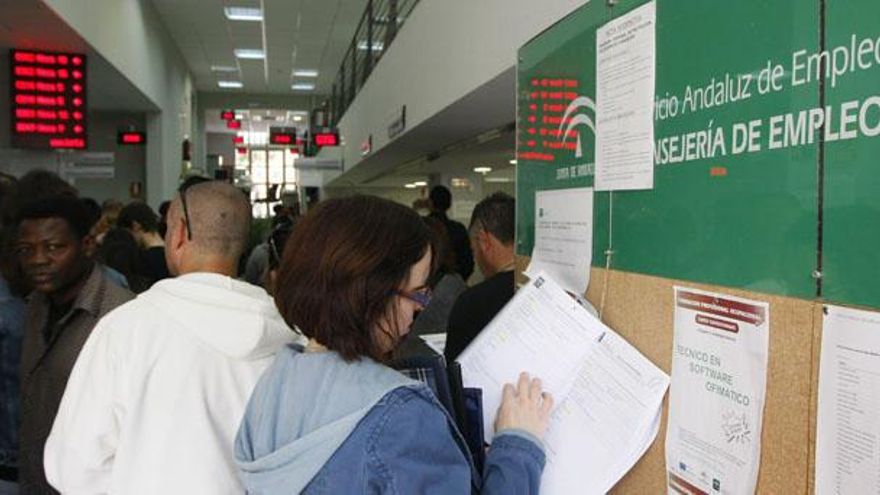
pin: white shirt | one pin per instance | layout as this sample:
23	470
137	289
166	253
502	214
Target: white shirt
156	396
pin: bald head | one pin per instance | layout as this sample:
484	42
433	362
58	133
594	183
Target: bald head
219	219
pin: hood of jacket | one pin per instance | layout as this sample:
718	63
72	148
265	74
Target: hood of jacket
302	410
236	318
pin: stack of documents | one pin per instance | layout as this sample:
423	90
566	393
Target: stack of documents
608	395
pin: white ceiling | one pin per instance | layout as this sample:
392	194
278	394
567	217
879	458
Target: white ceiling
298	34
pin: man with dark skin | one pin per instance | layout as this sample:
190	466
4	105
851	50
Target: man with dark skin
70	295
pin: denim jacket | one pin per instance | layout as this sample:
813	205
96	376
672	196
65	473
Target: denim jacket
316	424
11	329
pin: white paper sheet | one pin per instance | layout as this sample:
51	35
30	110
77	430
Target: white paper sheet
625	73
848	422
542	331
716	401
607	394
436	341
606	423
564	237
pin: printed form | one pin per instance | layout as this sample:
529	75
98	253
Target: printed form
625	74
848	430
608	396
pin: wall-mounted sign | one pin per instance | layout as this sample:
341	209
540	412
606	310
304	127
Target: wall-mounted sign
282	135
130	138
398	125
48	100
318	164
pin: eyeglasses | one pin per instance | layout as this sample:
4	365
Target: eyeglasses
422	297
189	182
189	234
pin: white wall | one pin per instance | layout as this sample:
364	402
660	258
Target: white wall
129	161
221	144
445	50
129	34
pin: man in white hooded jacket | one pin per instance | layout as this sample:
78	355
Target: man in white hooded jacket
157	394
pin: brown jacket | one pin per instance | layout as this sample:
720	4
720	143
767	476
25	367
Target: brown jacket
46	363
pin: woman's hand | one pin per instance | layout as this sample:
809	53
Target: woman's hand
525	407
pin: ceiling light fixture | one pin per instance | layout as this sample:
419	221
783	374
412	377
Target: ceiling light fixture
229	84
501	180
297	118
410	186
305	73
243	13
377	46
250	53
482	170
224	68
513	162
302	86
420	183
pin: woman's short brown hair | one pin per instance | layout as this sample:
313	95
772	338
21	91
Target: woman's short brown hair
341	267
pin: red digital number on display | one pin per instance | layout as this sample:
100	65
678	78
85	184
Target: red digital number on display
131	138
282	139
227	115
47	90
326	139
233	124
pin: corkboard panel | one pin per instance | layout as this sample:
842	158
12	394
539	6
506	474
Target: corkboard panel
640	308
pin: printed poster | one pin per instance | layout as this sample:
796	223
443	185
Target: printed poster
716	400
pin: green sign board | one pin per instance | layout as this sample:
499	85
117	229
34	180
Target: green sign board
765	145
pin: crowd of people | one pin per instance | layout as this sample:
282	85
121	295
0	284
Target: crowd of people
147	353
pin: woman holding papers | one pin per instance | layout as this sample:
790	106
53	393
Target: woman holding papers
331	417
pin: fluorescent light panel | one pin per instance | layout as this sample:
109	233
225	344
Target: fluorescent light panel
482	170
305	73
377	45
229	84
249	53
224	68
302	86
243	13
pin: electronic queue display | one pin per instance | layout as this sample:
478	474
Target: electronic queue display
131	137
49	100
321	139
285	136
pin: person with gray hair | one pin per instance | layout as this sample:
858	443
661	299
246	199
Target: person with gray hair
154	401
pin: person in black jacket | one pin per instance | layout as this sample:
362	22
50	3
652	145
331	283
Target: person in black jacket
491	235
441	200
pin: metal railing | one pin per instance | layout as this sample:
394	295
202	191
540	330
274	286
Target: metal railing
376	31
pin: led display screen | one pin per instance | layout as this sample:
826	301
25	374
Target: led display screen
282	135
49	101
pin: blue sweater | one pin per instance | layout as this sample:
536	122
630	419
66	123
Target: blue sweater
316	424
